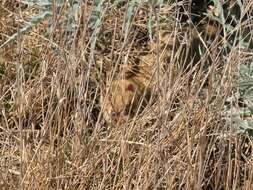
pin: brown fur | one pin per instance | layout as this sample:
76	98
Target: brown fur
124	98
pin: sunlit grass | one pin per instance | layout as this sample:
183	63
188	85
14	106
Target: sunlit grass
56	58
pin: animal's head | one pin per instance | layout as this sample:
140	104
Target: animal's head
121	101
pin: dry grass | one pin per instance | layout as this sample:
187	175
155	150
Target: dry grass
53	135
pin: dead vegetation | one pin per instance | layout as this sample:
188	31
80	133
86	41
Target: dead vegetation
191	133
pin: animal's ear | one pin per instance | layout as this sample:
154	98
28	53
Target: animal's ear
130	87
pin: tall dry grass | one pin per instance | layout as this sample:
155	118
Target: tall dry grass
54	61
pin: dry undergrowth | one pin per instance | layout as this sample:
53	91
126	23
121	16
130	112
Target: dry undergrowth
53	134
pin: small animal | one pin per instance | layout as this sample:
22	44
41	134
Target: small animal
125	97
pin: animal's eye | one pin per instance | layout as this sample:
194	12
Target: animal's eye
114	114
